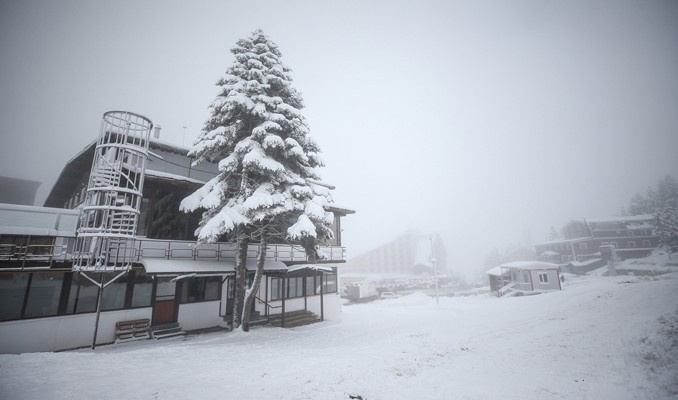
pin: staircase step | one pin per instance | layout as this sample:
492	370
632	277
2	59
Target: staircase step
166	331
294	319
166	335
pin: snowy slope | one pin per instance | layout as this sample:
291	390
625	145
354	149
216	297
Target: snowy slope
596	339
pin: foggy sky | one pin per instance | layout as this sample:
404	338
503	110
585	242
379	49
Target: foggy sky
486	121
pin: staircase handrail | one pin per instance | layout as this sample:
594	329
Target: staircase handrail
266	303
505	289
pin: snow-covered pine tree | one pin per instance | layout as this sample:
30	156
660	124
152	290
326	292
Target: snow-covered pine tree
268	164
638	205
666	227
666	213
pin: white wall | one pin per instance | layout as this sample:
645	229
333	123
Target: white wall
332	304
60	333
199	315
553	284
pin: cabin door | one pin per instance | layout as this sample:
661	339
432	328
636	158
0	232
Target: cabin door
165	304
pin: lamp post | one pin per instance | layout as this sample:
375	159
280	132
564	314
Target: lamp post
435	271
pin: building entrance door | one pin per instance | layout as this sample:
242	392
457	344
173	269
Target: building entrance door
165	305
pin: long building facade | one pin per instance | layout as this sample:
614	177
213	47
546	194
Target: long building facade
632	237
49	293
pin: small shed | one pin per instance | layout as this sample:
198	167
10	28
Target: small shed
527	276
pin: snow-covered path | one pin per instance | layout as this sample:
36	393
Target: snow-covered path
585	342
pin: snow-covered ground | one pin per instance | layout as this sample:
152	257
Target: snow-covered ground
599	338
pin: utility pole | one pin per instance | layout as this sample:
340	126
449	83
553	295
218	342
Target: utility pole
435	271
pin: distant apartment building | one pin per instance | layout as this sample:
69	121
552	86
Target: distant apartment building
632	237
18	191
409	254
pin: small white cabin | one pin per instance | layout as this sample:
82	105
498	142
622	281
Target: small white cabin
525	276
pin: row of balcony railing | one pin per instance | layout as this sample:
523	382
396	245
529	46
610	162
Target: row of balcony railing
42	255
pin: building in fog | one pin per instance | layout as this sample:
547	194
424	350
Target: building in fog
17	191
409	254
631	236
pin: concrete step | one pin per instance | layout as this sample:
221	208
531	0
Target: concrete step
166	331
294	319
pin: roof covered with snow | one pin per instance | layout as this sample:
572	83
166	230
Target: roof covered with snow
529	265
37	221
161	266
631	218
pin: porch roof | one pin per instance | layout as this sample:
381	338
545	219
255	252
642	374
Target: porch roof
155	266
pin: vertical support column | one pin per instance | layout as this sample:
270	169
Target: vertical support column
322	298
284	294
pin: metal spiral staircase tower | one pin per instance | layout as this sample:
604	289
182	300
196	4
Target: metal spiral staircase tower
110	213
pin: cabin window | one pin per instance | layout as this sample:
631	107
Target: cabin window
543	278
632	244
646	243
196	290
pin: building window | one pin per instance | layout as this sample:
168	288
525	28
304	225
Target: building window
583	246
195	290
312	285
543	278
83	295
141	293
44	293
276	288
632	244
12	292
295	287
631	233
114	294
646	243
330	282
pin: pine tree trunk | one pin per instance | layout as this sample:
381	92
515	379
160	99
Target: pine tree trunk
240	277
254	289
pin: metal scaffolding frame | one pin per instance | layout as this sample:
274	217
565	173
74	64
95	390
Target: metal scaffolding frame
105	238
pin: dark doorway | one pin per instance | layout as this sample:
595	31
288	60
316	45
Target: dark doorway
165	304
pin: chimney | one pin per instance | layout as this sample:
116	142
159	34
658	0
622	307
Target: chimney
156	132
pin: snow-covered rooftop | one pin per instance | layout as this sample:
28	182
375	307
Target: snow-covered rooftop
631	218
163	266
530	265
37	221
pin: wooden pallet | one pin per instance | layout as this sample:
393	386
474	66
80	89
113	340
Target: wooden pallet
137	329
